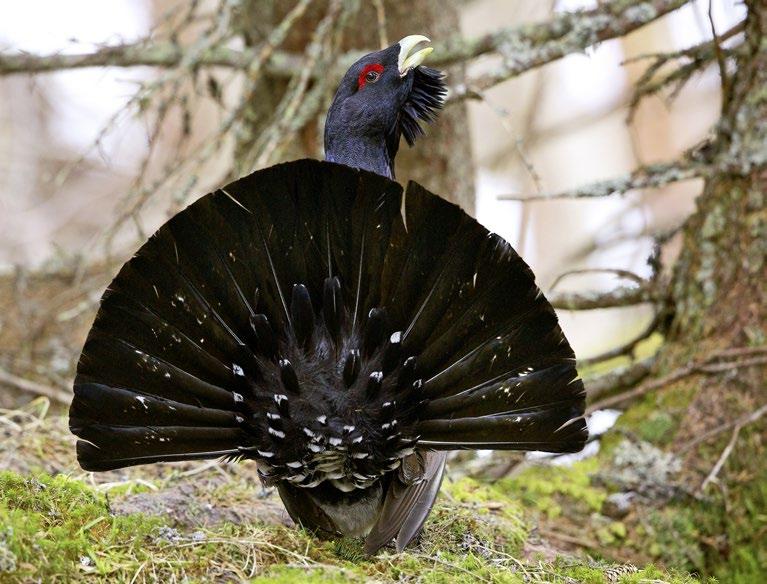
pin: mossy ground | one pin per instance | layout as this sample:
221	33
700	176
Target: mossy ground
61	525
718	532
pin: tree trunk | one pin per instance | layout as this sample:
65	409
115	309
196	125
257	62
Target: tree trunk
719	286
720	280
719	294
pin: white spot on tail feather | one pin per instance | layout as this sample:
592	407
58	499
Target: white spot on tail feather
276	433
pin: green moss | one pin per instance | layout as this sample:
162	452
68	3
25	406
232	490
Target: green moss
59	530
643	350
739	522
545	488
652	573
658	428
655	418
485	511
132	487
721	536
350	549
586	574
467	569
612	534
56	529
605	573
51	526
307	575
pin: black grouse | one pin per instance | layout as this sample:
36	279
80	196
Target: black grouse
340	332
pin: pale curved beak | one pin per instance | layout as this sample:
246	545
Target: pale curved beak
406	61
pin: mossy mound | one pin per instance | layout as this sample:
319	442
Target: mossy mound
201	522
60	529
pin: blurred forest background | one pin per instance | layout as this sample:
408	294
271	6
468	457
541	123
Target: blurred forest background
619	145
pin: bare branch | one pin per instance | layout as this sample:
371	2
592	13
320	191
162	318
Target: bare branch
698	56
628	347
383	39
269	139
644	177
690	52
625	274
720	58
154	54
710	364
522	48
649	291
742	421
618	379
527	47
712	476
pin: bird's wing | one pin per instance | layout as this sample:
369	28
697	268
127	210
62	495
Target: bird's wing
408	500
304	511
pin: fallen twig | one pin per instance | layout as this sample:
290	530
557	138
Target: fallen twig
571	539
34	387
712	476
742	421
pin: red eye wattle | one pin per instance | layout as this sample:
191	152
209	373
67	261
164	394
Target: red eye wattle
370	74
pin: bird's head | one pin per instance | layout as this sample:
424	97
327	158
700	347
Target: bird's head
383	96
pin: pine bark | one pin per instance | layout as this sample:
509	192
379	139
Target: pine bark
720	280
719	283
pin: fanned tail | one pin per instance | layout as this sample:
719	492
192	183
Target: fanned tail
305	318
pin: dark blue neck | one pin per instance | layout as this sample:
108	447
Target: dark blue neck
367	153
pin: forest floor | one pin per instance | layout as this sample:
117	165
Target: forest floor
201	522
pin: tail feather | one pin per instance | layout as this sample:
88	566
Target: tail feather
506	355
428	220
129	407
132	366
153	281
111	455
195	352
161	440
457	259
506	394
481	315
556	428
150	329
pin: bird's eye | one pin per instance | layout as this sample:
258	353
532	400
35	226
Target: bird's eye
370	74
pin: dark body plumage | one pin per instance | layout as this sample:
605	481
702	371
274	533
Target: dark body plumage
342	333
